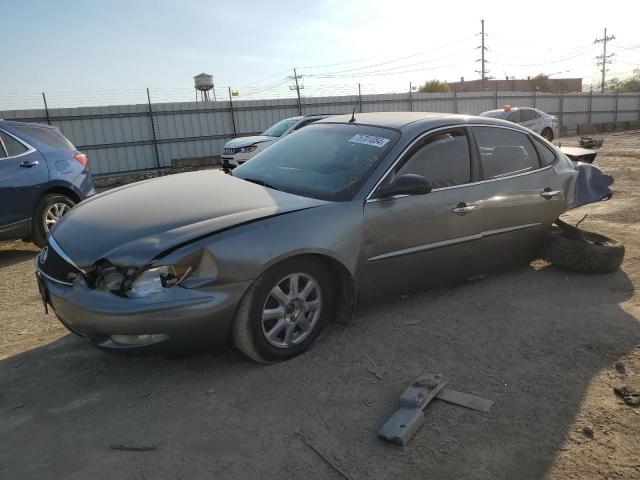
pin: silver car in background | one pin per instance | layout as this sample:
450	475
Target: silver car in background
536	120
239	150
351	209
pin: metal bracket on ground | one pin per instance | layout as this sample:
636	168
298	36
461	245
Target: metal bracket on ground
406	421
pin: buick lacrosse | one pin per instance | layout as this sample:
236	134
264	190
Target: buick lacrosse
350	209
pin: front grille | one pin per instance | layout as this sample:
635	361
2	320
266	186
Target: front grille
53	265
231	151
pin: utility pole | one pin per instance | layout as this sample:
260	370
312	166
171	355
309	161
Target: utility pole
297	87
483	68
604	59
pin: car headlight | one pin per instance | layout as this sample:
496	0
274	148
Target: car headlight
157	279
248	149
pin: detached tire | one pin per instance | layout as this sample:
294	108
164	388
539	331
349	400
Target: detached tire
592	253
51	208
284	310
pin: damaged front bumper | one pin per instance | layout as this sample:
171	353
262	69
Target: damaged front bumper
178	319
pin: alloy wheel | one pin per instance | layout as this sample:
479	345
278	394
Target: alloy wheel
292	310
54	213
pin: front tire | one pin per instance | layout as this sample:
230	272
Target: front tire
284	310
548	134
51	209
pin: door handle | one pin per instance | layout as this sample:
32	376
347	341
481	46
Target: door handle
549	194
463	208
29	163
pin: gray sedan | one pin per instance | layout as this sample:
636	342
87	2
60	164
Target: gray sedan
348	210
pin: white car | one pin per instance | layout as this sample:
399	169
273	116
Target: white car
532	118
239	150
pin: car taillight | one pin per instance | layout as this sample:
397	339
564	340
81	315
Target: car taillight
82	158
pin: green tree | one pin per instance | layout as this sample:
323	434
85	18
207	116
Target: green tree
434	86
631	84
540	83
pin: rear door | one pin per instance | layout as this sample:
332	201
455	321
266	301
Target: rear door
523	195
23	175
412	242
531	119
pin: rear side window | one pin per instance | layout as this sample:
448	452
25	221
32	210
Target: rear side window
443	160
49	136
12	146
514	117
527	115
546	155
505	152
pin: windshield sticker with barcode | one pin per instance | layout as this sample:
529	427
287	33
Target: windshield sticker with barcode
369	140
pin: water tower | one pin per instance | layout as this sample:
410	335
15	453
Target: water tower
203	84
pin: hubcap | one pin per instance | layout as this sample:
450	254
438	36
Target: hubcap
54	213
292	310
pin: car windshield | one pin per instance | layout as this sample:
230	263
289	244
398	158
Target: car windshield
495	114
279	128
325	161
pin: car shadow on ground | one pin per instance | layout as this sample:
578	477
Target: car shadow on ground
10	256
532	339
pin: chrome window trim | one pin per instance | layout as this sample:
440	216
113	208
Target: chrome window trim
30	149
368	199
56	246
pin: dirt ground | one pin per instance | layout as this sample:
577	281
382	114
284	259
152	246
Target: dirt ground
542	342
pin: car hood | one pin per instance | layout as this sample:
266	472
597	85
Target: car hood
246	141
131	225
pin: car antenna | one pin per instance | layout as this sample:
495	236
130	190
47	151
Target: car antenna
353	116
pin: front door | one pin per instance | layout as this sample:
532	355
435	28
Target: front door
417	241
23	174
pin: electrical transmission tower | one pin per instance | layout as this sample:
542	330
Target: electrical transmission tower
483	69
604	59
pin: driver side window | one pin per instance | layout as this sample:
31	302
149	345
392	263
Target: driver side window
443	160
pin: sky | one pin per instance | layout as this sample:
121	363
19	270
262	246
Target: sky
105	52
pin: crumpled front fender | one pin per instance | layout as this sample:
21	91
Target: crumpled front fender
591	185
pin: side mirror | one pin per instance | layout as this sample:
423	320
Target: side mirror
406	184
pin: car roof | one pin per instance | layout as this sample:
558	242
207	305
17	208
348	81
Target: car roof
414	123
16	124
396	120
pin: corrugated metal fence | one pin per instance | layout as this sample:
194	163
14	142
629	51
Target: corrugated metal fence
122	138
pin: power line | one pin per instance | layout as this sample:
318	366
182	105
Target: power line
604	59
549	62
383	72
364	67
396	69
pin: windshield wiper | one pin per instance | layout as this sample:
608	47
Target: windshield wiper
260	182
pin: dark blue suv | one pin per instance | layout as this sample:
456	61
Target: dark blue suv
42	176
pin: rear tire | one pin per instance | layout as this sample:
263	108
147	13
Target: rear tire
585	252
51	208
251	327
548	134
